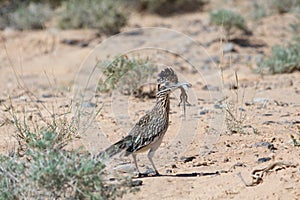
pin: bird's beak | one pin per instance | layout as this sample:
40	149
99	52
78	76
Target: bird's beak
185	86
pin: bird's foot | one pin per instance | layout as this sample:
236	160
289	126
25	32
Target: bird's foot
143	175
157	173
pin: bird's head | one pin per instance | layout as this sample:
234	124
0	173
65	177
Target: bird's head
167	81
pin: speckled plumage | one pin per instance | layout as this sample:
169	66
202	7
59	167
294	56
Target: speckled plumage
148	132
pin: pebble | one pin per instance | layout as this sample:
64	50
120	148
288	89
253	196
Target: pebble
210	88
264	144
260	100
262	160
187	159
88	105
228	47
136	183
203	112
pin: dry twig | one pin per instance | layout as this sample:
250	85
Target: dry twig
257	174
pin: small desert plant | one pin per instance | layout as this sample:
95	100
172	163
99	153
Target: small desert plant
104	15
235	116
46	170
128	74
283	6
25	16
284	59
258	11
49	172
167	7
229	20
296	139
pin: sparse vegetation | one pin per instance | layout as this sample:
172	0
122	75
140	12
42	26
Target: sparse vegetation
265	8
296	139
229	20
25	16
283	6
283	59
43	169
168	7
127	74
235	114
258	11
104	15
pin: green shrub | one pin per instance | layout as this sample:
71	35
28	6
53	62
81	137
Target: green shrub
284	59
51	173
229	20
46	170
126	73
283	6
104	15
167	7
25	16
258	10
296	139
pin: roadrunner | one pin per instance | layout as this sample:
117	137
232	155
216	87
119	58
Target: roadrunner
148	132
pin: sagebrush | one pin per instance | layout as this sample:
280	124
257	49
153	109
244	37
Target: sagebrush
24	16
283	59
167	7
41	167
104	15
126	74
229	20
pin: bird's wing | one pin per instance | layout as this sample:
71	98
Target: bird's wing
147	130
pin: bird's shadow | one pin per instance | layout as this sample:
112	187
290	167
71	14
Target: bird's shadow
192	174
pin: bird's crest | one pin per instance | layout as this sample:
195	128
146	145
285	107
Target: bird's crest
167	75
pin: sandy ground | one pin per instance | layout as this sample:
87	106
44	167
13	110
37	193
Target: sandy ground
41	63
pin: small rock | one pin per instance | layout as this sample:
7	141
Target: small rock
267	114
125	168
136	183
228	47
203	112
23	98
248	57
200	164
214	59
219	106
269	145
259	58
88	105
47	95
210	88
173	166
262	160
260	100
269	122
242	109
239	164
228	145
187	159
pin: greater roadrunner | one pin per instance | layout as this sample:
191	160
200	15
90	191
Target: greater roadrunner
148	132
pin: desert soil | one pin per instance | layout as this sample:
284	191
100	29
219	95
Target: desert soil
199	158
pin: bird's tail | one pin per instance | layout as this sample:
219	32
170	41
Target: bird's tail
115	148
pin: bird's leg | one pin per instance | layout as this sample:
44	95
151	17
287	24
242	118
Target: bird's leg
150	156
136	165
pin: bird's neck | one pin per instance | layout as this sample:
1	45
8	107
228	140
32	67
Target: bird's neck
163	103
